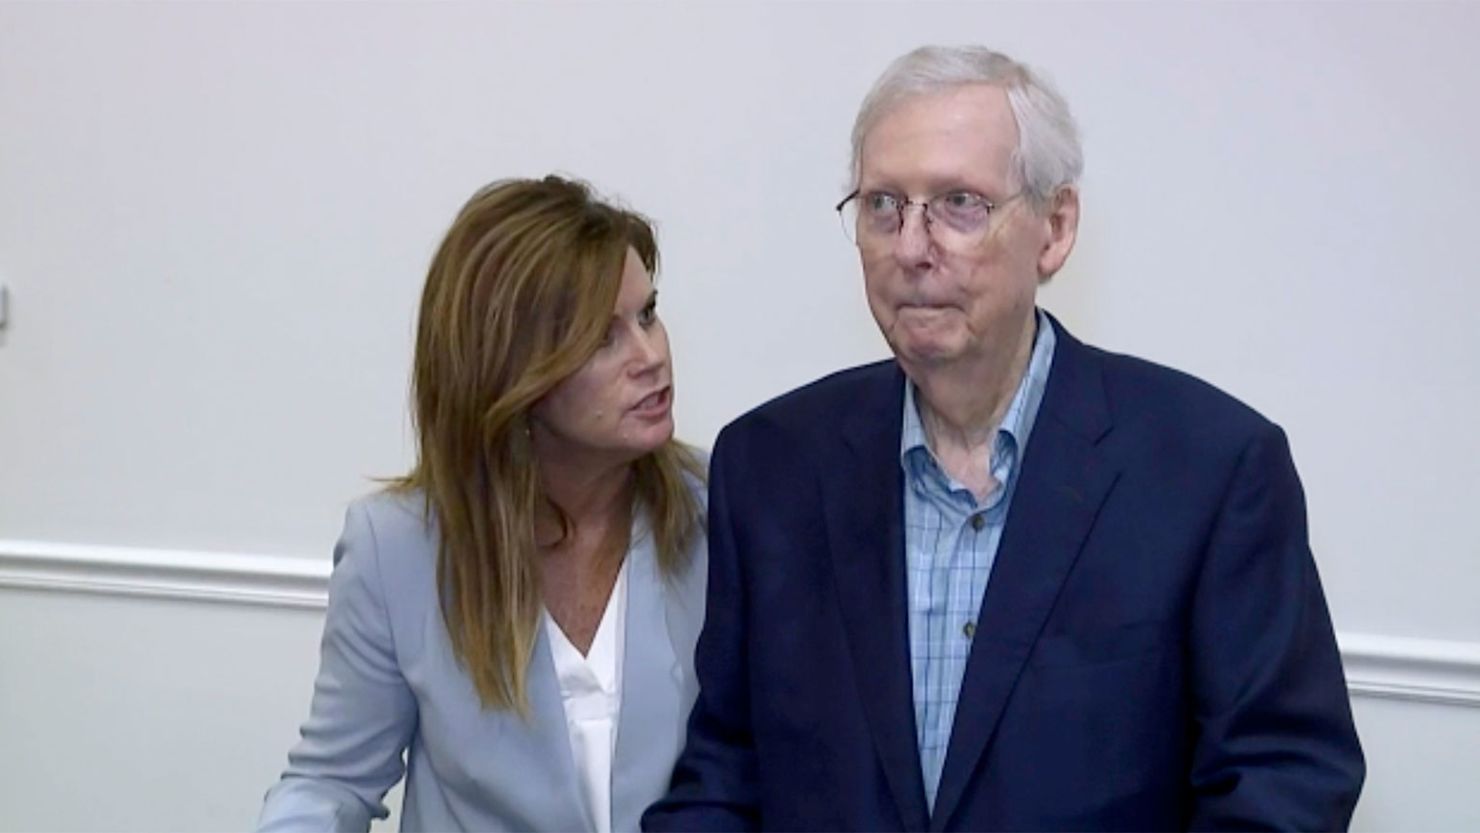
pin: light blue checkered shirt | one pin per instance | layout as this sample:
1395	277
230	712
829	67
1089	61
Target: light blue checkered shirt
950	543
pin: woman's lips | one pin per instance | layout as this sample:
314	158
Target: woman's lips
655	403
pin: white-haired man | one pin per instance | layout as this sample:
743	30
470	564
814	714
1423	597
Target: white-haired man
1005	580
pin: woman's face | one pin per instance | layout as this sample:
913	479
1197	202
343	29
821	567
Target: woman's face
619	405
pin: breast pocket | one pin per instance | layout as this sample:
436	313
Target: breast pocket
1101	646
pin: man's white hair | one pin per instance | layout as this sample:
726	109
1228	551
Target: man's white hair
1048	155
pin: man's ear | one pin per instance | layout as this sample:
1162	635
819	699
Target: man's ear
1063	228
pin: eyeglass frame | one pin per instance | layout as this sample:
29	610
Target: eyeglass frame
904	202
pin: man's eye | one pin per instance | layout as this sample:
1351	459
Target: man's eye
962	208
961	200
880	203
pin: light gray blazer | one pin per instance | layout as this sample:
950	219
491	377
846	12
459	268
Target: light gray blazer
388	683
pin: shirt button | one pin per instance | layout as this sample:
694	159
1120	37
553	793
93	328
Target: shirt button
977	522
968	630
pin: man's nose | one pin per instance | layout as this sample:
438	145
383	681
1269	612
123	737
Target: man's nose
913	243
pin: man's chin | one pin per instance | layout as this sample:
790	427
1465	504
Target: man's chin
925	352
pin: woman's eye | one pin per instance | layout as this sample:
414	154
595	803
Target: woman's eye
647	316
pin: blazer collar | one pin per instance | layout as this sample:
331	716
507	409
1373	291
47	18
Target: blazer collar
1065	478
547	722
664	614
863	501
662	617
647	677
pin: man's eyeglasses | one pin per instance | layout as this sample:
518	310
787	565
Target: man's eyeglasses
956	218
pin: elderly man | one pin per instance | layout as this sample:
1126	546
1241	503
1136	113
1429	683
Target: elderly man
1006	580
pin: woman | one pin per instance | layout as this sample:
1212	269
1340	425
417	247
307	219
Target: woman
518	614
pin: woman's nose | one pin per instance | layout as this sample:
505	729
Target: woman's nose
648	352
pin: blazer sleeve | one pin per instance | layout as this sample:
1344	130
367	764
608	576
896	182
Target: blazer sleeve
1276	747
714	784
363	713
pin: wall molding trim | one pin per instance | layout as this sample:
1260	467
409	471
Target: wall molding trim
232	578
1388	667
1408	668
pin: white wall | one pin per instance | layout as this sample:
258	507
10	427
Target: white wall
215	218
122	714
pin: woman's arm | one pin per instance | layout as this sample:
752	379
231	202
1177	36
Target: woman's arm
363	712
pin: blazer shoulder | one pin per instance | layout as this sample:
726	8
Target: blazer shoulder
396	529
396	513
1160	398
814	408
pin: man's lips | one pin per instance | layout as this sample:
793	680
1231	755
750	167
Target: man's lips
924	309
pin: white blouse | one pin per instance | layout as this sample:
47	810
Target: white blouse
591	688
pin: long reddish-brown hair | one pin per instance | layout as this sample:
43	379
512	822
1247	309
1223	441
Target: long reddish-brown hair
518	297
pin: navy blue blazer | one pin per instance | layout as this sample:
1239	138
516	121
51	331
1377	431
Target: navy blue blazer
1153	650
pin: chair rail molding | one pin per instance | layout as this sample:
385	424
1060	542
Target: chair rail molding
233	578
1390	667
1409	668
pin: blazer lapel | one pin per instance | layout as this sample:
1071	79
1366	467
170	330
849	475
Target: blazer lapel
864	506
1061	485
548	727
649	724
